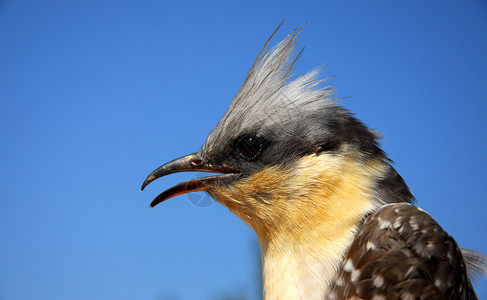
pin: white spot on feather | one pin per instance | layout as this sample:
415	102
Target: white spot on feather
332	296
378	281
384	224
348	266
340	281
408	296
414	223
370	246
438	283
397	223
355	275
379	297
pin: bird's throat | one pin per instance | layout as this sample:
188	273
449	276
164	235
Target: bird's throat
305	217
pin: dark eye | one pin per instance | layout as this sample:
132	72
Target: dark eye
249	146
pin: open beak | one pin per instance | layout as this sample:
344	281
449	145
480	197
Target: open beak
189	163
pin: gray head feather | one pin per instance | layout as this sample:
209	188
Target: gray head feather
269	99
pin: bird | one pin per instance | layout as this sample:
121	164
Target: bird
333	218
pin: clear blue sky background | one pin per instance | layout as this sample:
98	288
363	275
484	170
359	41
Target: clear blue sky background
96	94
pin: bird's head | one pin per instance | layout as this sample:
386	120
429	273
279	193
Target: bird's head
286	152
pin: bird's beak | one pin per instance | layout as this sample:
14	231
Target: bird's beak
192	162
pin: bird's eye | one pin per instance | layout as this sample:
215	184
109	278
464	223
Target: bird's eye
249	146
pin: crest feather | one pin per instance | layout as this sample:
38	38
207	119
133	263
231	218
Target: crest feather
268	97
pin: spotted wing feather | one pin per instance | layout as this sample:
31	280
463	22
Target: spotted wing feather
400	252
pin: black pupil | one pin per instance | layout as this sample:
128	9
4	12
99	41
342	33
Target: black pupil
249	147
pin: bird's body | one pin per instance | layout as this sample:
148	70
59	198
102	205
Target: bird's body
333	218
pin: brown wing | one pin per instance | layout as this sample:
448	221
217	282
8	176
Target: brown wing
400	252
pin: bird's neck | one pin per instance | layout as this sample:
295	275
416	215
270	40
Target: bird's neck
304	267
305	218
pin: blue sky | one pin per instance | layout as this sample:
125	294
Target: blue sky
96	94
